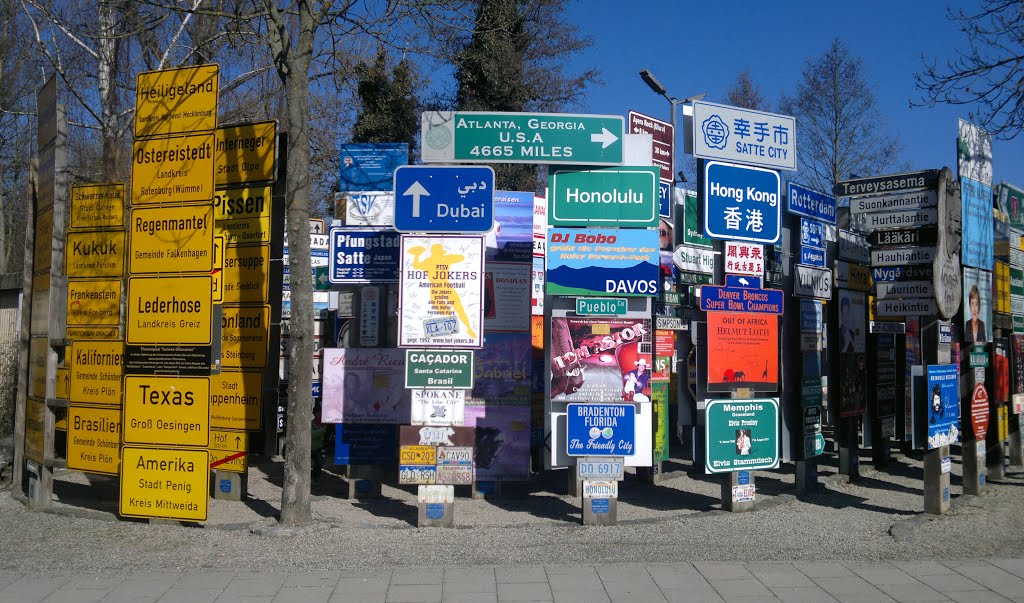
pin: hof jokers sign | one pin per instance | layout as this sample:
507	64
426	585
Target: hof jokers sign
455	199
600	429
745	136
742	203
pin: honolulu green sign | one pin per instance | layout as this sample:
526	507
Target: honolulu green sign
616	196
741	435
481	137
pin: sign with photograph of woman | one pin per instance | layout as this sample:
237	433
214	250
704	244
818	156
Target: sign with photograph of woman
977	306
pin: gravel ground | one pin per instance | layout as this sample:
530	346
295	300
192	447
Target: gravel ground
877	517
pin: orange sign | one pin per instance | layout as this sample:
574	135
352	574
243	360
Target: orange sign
743	352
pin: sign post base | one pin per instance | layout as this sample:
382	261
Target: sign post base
228	485
738	492
849	455
936	481
435	515
486	489
975	474
806	476
651	475
1016	449
600	511
364	481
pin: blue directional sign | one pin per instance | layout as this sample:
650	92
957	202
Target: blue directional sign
370	167
742	203
454	199
803	201
740	299
810	256
364	255
316	389
600	430
747	282
812	233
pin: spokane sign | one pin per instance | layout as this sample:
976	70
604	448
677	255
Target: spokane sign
887	184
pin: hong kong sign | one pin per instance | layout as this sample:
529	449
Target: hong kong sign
742	203
744	136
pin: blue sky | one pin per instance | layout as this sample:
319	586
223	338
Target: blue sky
694	47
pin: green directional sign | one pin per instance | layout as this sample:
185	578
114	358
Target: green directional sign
615	196
978	359
482	137
439	369
606	306
1018	323
741	434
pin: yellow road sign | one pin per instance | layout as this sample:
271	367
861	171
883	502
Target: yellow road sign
93	303
245	333
176	100
94	254
171	411
63	383
242	203
245	153
38	350
171	239
176	169
244	232
95	206
93	333
35	428
172	484
40	324
245	275
236	400
96	371
168	310
94	439
229	451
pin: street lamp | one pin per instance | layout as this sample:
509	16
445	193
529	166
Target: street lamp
653	83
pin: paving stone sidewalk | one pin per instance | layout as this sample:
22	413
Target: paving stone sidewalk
968	580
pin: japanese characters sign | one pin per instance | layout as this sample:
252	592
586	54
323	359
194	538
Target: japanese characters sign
744	136
742	203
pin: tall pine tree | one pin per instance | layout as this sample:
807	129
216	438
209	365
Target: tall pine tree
490	75
390	108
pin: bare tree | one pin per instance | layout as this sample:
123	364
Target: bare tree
745	93
840	130
989	74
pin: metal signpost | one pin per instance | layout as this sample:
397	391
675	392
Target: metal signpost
601	434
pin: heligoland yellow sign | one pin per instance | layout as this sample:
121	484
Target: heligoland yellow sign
245	153
171	484
176	100
169	310
176	169
97	206
171	239
169	411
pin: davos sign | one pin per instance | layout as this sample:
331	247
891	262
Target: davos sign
742	203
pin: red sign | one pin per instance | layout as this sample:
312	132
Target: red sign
744	258
664	343
979	411
662	133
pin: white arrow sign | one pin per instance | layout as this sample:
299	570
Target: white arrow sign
605	138
417	191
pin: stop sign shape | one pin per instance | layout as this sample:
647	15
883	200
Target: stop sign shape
979	411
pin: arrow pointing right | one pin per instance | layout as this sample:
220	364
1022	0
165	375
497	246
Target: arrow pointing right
416	190
606	138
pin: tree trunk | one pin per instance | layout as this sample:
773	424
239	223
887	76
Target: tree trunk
295	494
107	72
